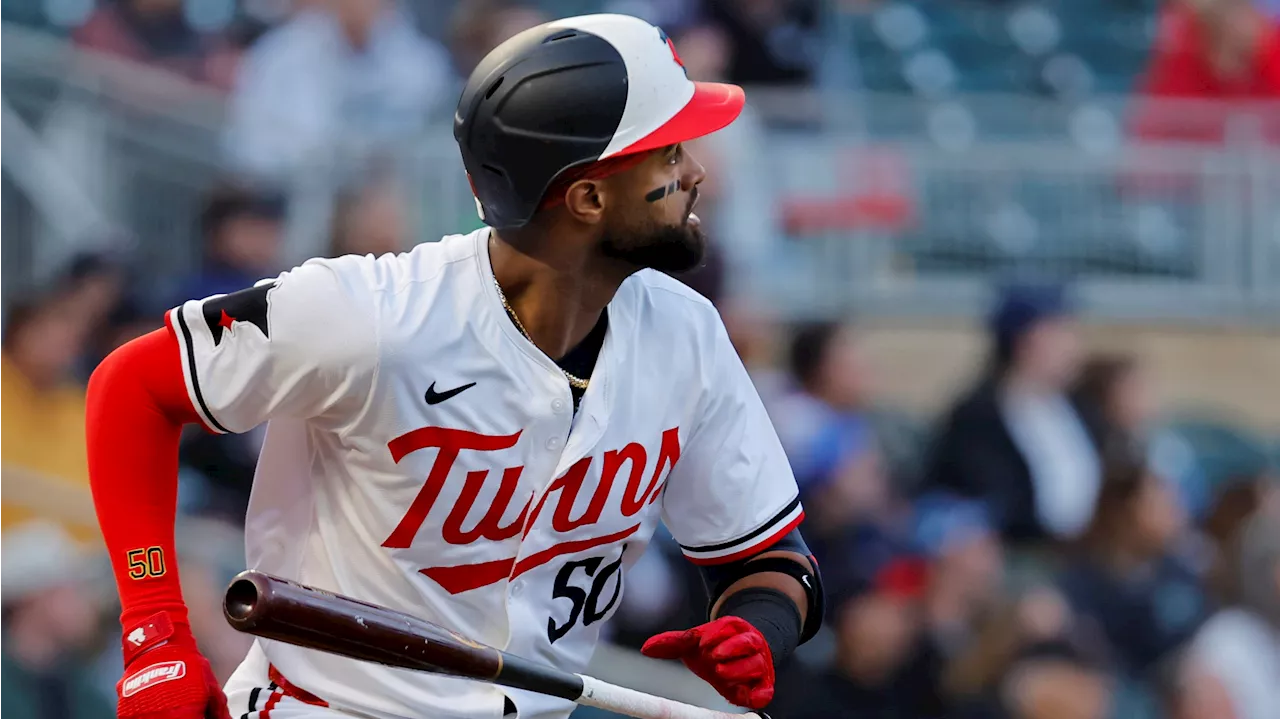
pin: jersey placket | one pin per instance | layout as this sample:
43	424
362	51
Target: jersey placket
585	432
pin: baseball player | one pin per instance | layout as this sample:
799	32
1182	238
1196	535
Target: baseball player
484	431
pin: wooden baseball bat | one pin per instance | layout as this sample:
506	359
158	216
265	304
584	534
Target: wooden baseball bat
283	610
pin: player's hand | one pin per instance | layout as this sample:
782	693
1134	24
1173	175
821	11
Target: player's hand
165	677
728	653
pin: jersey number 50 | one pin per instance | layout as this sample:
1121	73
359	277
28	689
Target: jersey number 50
586	602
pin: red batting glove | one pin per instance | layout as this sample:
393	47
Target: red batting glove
728	653
165	677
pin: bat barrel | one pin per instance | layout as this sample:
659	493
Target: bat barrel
281	610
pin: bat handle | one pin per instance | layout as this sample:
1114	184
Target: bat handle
611	697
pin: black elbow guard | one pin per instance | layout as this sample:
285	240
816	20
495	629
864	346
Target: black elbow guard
719	577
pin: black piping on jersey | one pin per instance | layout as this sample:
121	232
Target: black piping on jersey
253	699
191	363
771	524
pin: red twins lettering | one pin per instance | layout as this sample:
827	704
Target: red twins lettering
566	487
450	442
488	528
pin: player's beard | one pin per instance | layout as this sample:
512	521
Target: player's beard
668	248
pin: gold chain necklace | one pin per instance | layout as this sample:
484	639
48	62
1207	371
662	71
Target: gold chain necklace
575	382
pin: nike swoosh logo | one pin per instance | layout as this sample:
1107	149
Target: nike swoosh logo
434	397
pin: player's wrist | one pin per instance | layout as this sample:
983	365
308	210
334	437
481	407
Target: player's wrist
157	630
771	613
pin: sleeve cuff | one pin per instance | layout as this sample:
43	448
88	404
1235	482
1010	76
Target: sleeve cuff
753	542
176	320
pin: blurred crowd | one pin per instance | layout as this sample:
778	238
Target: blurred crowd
336	82
1029	553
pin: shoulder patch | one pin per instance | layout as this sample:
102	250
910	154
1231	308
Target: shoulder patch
249	305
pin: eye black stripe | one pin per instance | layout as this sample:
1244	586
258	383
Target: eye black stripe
661	192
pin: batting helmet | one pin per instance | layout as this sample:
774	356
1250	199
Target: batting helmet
572	92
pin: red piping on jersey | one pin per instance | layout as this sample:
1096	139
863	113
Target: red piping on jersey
465	577
290	690
536	560
135	409
753	549
271	704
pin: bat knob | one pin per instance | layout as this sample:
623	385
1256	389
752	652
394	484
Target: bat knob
243	598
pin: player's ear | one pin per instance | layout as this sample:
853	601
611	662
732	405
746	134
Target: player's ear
585	200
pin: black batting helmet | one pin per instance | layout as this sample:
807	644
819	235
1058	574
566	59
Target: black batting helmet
571	92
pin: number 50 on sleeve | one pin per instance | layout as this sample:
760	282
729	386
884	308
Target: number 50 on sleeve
146	563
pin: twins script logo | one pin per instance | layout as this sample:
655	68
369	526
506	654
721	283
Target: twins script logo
636	495
151	676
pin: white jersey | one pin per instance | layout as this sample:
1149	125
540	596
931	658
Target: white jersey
422	454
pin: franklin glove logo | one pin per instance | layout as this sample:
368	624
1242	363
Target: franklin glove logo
152	675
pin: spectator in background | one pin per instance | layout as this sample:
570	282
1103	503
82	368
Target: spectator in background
1015	441
369	221
98	287
1115	400
129	320
340	81
1224	526
1225	51
1129	583
1026	660
773	42
154	32
50	622
1233	668
478	26
753	332
878	672
829	438
242	233
987	653
45	462
965	580
1050	684
229	49
95	285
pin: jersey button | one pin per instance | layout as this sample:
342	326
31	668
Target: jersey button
557	405
553	443
517	587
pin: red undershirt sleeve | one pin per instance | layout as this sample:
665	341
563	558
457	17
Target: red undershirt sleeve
303	346
136	407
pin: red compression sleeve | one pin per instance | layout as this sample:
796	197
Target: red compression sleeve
137	405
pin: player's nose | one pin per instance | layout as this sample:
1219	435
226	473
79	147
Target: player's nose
695	174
